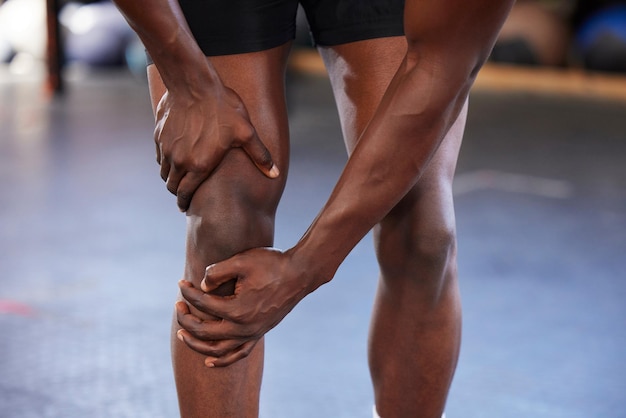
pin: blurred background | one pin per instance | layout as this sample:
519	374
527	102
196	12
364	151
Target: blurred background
588	34
91	243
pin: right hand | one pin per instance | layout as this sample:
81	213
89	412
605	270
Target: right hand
269	284
193	135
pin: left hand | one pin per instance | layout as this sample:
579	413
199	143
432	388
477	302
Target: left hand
194	132
268	286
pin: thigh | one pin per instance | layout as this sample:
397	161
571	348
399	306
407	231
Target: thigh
237	192
360	73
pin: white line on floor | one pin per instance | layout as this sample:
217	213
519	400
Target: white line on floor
509	182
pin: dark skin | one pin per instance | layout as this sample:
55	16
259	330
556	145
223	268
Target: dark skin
198	118
230	212
397	180
420	106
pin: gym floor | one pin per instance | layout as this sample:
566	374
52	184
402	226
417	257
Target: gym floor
91	248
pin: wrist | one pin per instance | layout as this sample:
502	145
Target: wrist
182	65
315	266
188	77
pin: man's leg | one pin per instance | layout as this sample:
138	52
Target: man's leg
416	324
232	211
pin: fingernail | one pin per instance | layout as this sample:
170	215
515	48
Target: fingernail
179	335
209	362
183	282
203	286
178	306
274	172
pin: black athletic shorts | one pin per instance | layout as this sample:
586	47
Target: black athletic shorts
239	26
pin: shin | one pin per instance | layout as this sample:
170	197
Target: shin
416	326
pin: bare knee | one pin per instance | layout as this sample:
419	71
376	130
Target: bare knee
226	227
417	241
231	212
403	249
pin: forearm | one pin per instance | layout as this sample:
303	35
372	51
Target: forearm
162	28
389	159
421	104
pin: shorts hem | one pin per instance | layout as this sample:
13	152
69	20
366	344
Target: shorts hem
344	35
217	47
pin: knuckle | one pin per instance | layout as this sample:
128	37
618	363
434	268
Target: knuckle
177	160
246	133
190	163
183	195
235	317
170	186
219	352
216	349
197	303
246	351
202	348
199	165
201	334
194	329
242	355
191	297
167	154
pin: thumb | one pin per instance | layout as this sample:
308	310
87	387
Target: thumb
219	279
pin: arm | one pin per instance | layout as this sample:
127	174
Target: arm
198	119
162	28
448	41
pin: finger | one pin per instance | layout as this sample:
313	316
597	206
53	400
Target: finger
184	315
203	302
174	178
260	155
187	187
219	307
213	349
217	274
182	308
165	169
197	327
234	356
158	152
156	135
195	297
